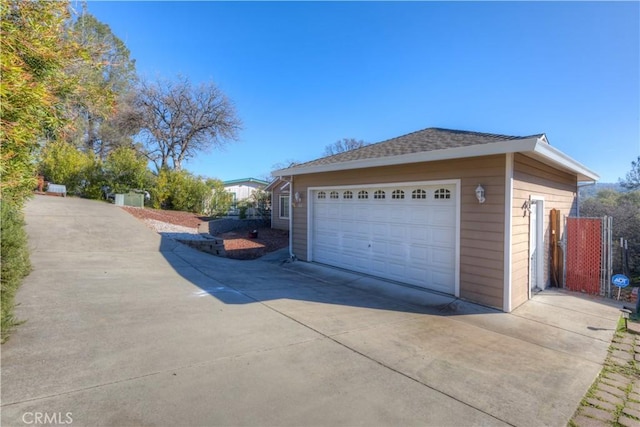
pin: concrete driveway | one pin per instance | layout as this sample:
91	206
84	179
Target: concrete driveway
125	327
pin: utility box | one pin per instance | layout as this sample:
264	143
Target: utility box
135	200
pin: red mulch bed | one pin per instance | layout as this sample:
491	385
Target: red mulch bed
185	219
237	244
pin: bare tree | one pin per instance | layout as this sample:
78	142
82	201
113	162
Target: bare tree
179	120
342	145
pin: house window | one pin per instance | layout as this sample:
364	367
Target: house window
379	194
418	194
442	193
284	207
322	195
363	195
397	194
347	195
333	195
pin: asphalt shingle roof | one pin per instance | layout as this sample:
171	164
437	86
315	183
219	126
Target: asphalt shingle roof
430	139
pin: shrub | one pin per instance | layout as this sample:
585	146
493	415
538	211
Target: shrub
125	169
63	163
15	263
219	201
243	207
181	191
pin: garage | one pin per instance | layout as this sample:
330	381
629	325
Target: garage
404	232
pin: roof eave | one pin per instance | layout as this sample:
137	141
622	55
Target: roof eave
502	147
535	146
239	181
562	161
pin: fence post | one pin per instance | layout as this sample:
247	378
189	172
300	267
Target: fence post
564	246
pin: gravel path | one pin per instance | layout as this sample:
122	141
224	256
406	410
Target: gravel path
176	232
183	226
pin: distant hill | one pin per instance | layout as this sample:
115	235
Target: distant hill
591	190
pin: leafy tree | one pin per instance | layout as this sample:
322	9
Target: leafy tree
35	52
624	208
632	180
178	120
106	75
342	145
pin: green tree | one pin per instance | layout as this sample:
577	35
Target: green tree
632	180
36	50
624	208
106	76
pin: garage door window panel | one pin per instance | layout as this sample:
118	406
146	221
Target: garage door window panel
419	194
397	194
442	193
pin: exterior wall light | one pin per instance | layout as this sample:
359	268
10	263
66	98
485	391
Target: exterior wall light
297	199
480	193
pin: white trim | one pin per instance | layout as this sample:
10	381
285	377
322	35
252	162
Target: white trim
456	182
560	159
280	197
457	249
540	261
387	184
292	256
425	156
508	235
309	223
534	145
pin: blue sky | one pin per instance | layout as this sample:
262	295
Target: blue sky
305	74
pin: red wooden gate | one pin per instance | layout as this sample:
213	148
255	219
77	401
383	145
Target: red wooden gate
584	254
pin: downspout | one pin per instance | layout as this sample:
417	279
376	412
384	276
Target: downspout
292	256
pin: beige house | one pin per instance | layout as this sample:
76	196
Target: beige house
462	213
280	206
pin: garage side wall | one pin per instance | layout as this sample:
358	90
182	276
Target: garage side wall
481	225
558	188
279	220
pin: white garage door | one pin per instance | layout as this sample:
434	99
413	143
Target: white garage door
405	233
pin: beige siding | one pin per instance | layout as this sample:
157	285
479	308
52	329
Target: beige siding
481	225
276	221
533	178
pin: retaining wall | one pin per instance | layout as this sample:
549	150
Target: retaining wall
220	226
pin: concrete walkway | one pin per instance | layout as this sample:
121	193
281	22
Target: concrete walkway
614	398
125	327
